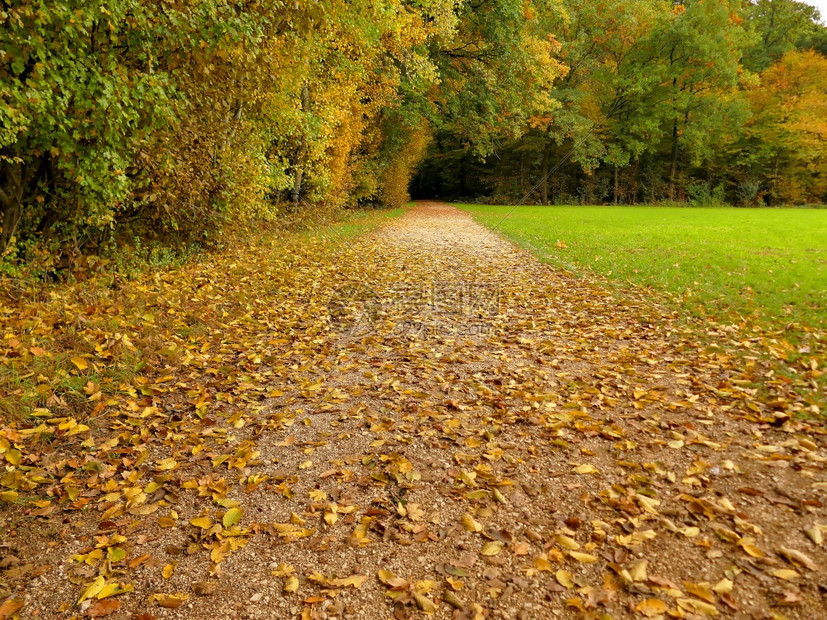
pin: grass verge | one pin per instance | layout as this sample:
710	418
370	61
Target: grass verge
767	266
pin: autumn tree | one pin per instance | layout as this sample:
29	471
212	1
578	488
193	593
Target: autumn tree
786	138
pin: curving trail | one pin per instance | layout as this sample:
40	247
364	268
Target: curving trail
460	430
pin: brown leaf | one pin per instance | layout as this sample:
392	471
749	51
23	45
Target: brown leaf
9	608
170	601
796	557
205	588
104	608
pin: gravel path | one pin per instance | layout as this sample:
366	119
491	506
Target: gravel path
479	435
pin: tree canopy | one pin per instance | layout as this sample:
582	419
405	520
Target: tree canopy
703	101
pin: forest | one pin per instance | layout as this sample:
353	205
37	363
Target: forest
128	123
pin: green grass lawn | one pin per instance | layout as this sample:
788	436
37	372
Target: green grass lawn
768	264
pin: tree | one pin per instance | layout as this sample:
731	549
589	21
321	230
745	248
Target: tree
786	137
780	26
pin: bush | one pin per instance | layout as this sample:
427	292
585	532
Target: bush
702	194
180	121
748	193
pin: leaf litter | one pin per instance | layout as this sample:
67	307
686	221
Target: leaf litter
472	435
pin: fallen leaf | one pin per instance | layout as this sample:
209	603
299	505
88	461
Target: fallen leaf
425	604
291	584
652	607
231	517
354	581
564	578
10	607
491	548
585	469
786	574
797	557
470	524
205	588
170	601
103	608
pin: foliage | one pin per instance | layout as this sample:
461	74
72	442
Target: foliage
786	138
702	194
181	121
654	101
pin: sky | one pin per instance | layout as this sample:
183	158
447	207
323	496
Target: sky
821	5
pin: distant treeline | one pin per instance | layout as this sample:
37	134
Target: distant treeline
705	101
126	122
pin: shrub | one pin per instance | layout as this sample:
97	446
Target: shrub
702	194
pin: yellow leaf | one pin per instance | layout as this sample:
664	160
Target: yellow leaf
203	522
541	563
748	545
170	601
567	543
291	584
701	590
166	522
354	581
425	604
391	580
586	558
491	548
652	607
92	589
81	363
114	589
786	573
564	578
698	607
470	524
168	569
637	571
283	570
166	464
231	517
585	469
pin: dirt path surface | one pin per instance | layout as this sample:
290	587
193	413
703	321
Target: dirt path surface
455	430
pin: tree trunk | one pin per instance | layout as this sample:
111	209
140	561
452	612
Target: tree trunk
522	175
462	176
17	178
298	174
616	185
545	174
673	173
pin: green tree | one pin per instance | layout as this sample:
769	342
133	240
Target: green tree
780	26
